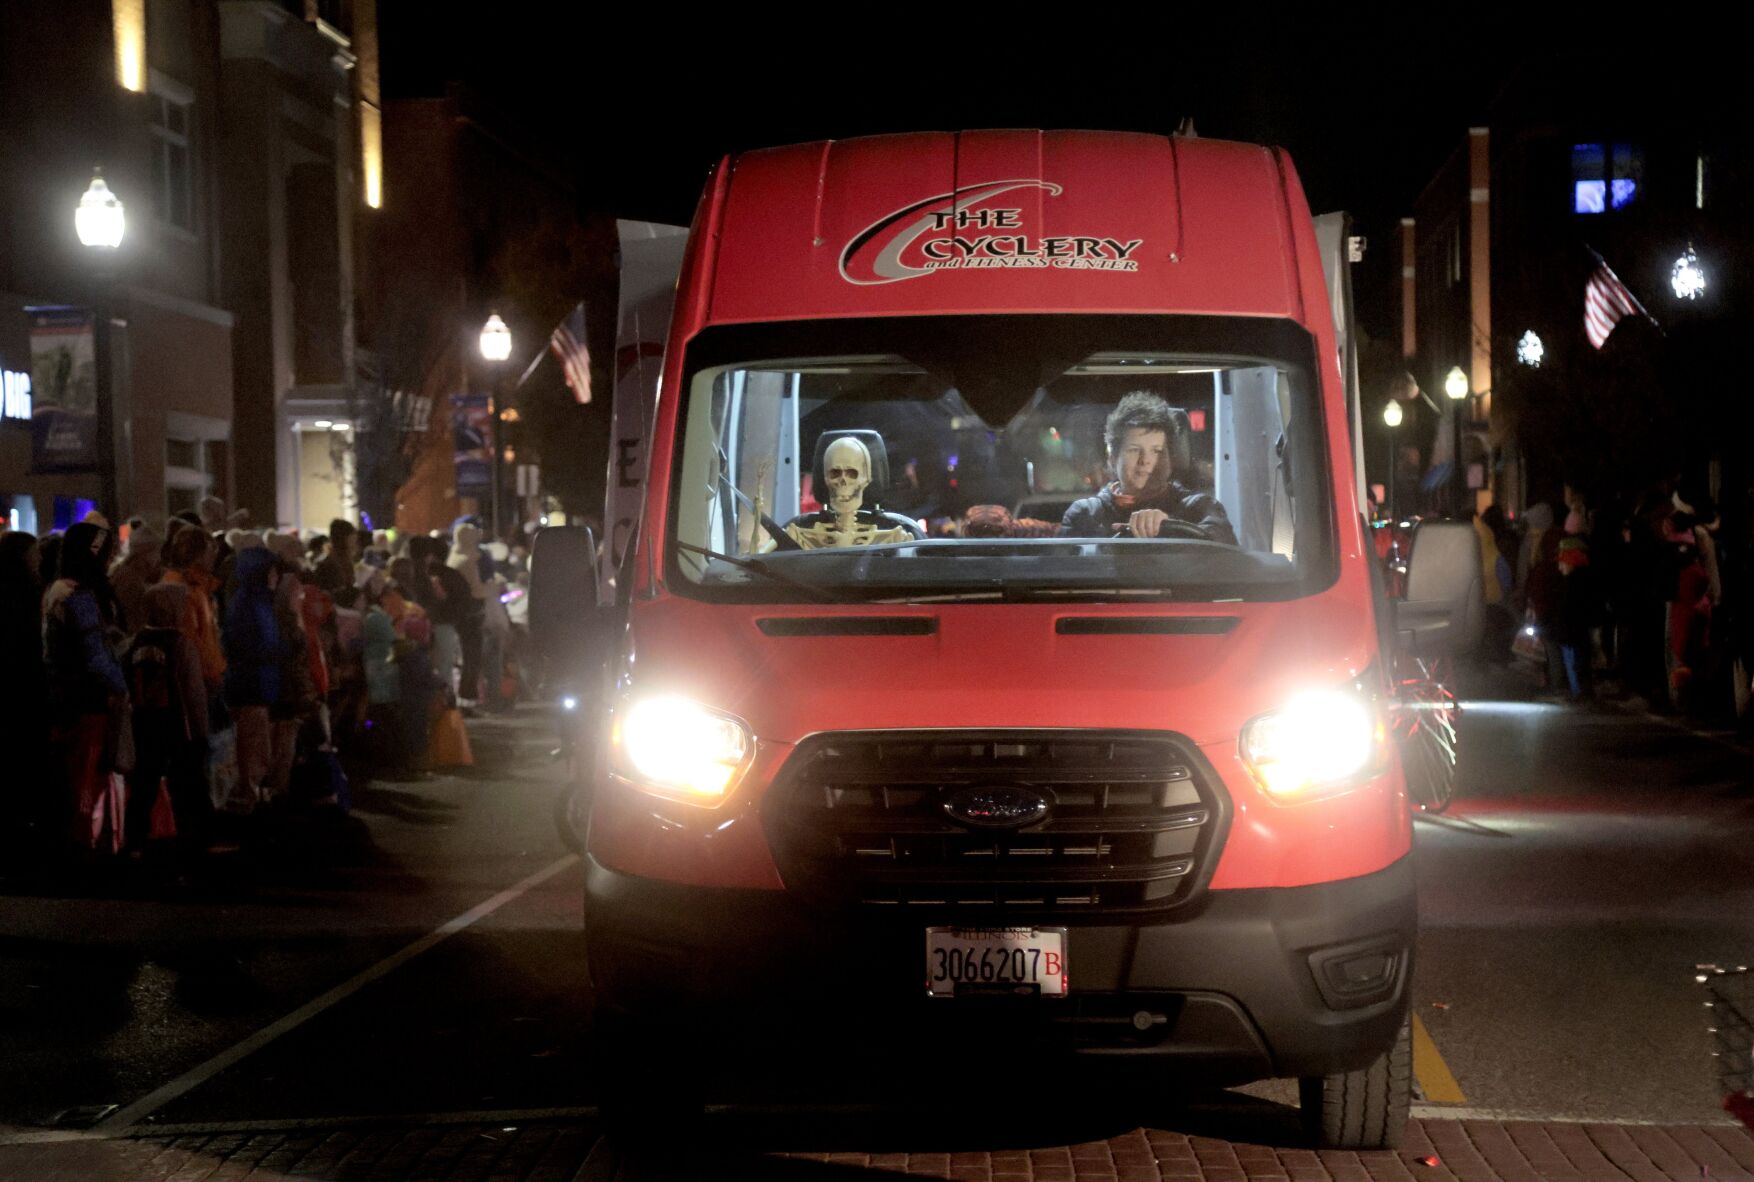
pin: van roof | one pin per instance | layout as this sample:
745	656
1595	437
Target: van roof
1007	221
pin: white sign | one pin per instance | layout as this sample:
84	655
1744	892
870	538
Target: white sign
15	399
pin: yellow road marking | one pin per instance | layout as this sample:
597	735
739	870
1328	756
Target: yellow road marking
1435	1081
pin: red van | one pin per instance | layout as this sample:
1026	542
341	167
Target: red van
999	650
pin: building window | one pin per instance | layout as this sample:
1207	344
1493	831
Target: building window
1455	256
173	182
194	459
1605	177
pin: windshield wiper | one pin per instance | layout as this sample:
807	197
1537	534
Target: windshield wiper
767	572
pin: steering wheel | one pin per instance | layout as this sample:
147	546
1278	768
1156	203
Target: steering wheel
1171	525
782	539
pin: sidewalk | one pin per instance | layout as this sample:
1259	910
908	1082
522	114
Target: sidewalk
572	1150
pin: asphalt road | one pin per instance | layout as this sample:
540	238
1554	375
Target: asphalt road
424	956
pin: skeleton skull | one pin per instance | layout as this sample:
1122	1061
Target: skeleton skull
847	467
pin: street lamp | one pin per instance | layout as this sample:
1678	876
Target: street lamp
1455	385
496	347
99	218
1391	417
1687	278
100	222
496	339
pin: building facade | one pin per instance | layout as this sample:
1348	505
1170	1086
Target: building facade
301	172
243	138
133	89
1571	175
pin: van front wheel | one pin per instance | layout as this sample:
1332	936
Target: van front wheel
1363	1109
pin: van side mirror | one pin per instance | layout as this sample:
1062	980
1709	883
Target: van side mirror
563	599
1444	612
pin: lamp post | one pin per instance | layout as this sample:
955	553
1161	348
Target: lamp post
100	223
1455	384
1391	417
496	347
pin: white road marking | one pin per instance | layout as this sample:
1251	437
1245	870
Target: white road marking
1449	1112
487	1116
140	1109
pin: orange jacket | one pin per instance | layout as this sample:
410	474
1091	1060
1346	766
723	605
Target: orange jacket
200	622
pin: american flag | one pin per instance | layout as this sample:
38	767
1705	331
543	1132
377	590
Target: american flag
1605	302
568	345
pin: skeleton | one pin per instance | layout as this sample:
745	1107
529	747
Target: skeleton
847	473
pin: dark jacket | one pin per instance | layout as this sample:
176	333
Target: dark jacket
252	636
84	675
1097	516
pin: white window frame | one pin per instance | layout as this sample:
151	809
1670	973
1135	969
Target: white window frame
198	430
168	92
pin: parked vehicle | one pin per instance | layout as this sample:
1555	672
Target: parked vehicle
1128	792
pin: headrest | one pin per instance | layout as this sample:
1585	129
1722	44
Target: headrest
879	463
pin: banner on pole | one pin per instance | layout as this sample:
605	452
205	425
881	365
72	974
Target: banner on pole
63	362
472	443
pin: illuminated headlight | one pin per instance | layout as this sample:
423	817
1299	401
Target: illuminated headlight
676	748
1320	739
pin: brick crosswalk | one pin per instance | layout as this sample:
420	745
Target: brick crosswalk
575	1151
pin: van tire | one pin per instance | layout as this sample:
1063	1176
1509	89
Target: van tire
1363	1109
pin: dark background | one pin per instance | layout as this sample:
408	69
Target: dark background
1369	103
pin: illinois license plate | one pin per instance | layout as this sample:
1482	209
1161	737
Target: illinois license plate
1030	962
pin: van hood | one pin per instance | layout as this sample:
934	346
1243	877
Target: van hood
999	666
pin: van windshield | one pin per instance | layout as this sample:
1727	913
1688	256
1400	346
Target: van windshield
934	459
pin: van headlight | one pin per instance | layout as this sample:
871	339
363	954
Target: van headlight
675	748
1320	739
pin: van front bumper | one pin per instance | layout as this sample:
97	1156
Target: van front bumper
1235	985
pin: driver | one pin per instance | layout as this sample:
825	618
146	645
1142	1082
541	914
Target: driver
1144	435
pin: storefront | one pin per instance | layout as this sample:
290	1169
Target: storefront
33	495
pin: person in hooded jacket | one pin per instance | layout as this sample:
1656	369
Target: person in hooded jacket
445	595
139	569
189	557
298	694
87	693
169	698
465	559
252	664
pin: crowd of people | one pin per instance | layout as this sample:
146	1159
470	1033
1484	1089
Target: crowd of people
1647	596
165	678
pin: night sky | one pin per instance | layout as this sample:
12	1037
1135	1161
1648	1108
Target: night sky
1369	106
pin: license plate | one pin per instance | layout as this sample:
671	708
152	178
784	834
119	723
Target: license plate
1029	962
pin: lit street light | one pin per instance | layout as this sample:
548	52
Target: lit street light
100	222
496	339
1529	349
496	347
1392	416
1687	278
99	218
1455	385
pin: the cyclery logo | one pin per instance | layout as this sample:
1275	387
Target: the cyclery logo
959	232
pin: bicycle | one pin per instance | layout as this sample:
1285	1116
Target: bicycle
1424	718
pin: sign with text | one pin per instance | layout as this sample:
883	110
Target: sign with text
63	361
15	399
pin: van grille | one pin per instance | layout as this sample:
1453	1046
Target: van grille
860	819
